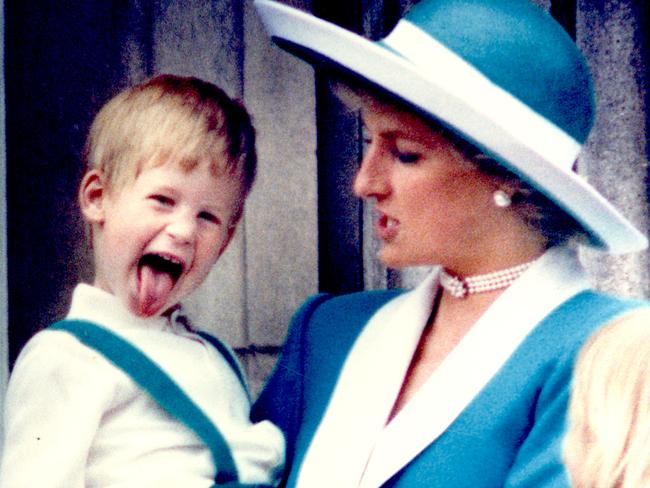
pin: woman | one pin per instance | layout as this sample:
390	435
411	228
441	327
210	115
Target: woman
608	439
475	112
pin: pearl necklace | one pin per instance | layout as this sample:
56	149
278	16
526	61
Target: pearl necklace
460	287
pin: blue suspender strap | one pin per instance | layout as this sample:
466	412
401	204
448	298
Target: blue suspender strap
160	386
229	357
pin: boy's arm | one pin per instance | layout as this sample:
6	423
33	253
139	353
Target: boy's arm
281	399
53	407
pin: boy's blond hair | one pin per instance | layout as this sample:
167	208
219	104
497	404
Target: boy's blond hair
172	119
608	443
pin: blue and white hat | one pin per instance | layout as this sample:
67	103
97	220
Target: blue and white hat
501	73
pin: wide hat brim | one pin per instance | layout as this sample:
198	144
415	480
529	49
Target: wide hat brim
447	88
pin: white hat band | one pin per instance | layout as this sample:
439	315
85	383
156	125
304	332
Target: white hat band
459	80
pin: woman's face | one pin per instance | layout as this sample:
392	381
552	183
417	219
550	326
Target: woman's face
432	205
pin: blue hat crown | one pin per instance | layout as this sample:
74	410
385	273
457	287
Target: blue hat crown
522	49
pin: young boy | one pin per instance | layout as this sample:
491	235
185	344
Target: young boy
170	164
608	438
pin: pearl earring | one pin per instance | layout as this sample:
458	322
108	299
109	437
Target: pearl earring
501	199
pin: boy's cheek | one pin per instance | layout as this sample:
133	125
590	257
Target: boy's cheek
230	233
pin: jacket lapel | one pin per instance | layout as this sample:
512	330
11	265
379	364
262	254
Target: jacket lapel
354	446
472	364
366	391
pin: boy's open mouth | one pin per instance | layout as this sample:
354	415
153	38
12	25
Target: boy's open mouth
157	275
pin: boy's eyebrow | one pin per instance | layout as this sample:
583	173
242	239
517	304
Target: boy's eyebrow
163	188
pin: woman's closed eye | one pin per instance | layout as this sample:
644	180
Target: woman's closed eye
406	157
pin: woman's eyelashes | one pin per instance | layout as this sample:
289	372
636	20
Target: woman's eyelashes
403	156
406	157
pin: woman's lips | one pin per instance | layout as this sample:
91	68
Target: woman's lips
386	227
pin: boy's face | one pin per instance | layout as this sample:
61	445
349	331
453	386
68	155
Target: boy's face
157	238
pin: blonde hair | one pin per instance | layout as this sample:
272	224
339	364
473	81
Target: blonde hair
172	120
608	442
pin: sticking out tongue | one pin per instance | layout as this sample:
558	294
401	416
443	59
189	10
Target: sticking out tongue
155	285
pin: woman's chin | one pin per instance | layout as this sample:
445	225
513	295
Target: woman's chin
395	259
392	259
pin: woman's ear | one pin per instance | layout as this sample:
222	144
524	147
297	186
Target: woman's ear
92	192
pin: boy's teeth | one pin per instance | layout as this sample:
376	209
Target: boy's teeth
171	259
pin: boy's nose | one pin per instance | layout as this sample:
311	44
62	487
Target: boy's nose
182	228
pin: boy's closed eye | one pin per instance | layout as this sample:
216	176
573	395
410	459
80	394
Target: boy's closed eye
162	200
168	202
210	217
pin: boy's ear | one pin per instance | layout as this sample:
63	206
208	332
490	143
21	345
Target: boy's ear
91	196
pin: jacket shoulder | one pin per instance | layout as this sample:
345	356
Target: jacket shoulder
349	312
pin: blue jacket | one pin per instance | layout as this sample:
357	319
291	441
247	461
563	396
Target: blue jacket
509	435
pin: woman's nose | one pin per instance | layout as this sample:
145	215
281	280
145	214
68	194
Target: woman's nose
371	178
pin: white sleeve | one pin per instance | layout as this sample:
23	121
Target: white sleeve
57	394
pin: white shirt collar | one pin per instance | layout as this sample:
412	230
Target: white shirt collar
96	305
